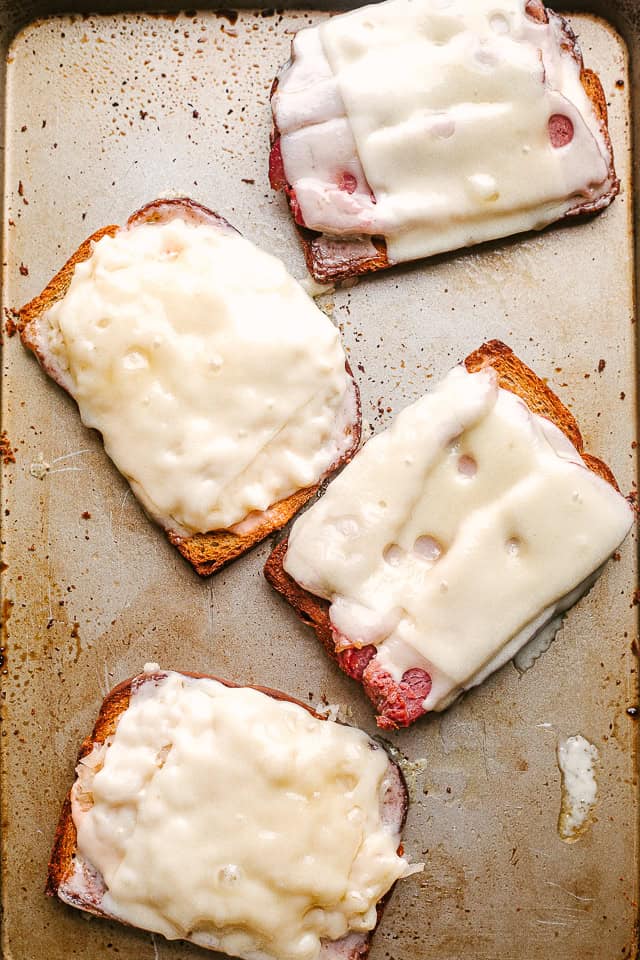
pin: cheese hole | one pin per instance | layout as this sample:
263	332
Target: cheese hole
347	526
560	130
134	360
467	466
103	323
214	364
484	186
486	58
428	547
393	554
347	782
172	248
229	874
513	545
347	182
418	680
499	23
443	127
382	504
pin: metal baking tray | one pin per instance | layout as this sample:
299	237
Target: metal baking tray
107	110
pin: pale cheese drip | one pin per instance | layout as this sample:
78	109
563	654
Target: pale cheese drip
443	111
217	384
238	821
456	534
576	760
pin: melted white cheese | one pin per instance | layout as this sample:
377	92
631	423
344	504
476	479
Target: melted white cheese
217	384
456	534
576	759
442	110
238	821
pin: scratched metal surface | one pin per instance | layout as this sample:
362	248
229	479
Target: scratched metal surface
105	113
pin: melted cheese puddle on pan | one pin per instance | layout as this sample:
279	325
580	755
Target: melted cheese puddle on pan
576	759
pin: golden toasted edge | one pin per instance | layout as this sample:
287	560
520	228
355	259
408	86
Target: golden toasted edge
61	862
346	268
65	840
206	552
209	552
30	313
517	377
513	375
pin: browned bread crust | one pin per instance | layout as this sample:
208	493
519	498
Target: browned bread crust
206	552
61	862
516	376
325	259
513	375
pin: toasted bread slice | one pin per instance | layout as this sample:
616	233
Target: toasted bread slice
398	704
206	552
332	257
79	884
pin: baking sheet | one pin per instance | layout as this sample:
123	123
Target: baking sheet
104	113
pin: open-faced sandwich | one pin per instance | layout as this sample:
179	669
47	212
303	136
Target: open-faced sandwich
221	391
233	817
453	537
410	128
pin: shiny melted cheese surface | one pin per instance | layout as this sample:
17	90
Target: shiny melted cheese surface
217	384
238	821
442	109
454	530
